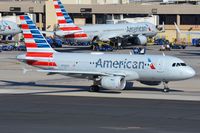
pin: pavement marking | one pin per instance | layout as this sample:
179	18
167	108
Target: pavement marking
122	128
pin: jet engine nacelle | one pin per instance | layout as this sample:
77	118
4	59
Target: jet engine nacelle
142	39
113	82
151	83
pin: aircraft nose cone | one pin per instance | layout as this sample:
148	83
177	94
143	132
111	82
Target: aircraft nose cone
189	72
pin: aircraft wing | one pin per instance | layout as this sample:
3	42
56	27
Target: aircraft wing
60	33
89	73
109	35
48	32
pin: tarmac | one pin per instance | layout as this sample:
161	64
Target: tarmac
55	114
35	102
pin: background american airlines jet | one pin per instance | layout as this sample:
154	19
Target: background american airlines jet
9	28
103	32
110	71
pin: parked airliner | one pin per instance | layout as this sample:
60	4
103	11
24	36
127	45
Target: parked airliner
104	32
109	71
9	28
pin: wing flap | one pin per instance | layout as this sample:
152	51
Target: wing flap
108	36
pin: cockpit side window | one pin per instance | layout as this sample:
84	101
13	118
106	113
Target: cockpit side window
174	64
178	64
183	64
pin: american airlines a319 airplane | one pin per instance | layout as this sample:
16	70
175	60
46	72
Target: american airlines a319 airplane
104	32
109	71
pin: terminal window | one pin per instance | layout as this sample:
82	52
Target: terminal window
167	19
190	19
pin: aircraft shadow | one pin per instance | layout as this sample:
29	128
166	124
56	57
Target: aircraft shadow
152	89
33	84
69	88
136	46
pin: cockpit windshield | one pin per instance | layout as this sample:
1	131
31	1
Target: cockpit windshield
178	64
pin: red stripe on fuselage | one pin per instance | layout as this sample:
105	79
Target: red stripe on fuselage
69	28
76	36
39	54
40	63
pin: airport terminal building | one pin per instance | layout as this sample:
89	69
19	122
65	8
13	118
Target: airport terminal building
186	13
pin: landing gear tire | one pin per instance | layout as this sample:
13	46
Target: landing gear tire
166	88
94	88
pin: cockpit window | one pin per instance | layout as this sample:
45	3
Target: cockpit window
178	64
183	64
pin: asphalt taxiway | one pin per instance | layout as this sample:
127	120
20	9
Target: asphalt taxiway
35	102
55	114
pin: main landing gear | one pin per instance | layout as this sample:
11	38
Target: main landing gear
166	88
94	88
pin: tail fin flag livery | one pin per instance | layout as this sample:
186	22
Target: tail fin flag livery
66	24
39	51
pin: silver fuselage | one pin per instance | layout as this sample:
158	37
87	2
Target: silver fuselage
135	67
105	32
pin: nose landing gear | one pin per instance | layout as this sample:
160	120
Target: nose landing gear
166	88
